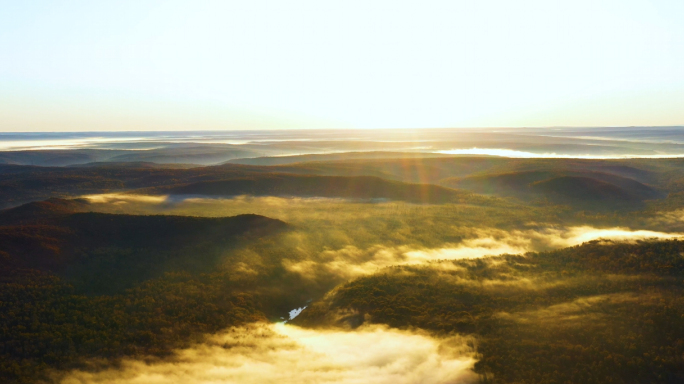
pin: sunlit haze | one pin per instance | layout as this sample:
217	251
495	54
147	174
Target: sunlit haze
350	192
171	65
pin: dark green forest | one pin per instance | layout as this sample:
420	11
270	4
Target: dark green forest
109	261
601	312
77	285
47	324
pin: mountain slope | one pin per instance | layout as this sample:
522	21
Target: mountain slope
105	253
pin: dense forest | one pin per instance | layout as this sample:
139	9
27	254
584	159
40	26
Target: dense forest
46	324
111	261
533	180
77	285
597	313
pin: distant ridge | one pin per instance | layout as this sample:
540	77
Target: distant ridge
42	211
576	188
583	189
142	164
281	160
357	187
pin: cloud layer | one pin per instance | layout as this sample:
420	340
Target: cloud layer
121	198
494	242
350	262
279	353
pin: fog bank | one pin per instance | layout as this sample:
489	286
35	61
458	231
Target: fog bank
494	242
279	353
351	262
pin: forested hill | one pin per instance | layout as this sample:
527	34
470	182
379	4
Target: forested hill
42	211
327	157
105	253
359	187
602	312
583	189
630	180
79	285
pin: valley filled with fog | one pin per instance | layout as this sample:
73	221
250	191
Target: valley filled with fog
343	259
320	192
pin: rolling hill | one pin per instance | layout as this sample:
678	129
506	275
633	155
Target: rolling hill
325	157
103	253
354	187
41	211
583	189
204	154
644	178
576	188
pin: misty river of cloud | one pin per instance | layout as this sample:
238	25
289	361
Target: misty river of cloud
279	353
350	261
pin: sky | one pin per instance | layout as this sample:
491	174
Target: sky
186	65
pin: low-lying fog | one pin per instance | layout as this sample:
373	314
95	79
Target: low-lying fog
280	353
528	142
347	239
350	261
503	152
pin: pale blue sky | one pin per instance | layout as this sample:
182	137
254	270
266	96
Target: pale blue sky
139	65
